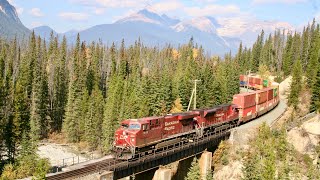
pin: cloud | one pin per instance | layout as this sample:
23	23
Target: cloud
99	11
36	12
166	6
247	27
72	16
212	9
36	24
255	2
112	3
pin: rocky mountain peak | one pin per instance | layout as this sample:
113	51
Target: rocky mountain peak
9	11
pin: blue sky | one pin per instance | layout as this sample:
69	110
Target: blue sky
64	15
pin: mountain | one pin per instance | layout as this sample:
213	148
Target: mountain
11	25
148	16
44	32
154	30
158	30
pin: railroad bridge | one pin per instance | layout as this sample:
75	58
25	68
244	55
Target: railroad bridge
120	168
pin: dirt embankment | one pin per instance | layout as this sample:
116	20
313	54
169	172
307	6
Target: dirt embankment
306	138
241	137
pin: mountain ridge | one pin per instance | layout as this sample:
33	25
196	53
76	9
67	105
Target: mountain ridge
155	30
11	25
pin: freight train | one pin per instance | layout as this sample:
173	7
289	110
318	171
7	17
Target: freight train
152	134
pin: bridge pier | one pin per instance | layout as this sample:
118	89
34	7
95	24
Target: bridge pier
106	175
162	174
205	163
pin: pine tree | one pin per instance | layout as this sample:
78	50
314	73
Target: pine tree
256	52
94	117
313	56
220	87
61	86
296	85
287	56
194	171
315	98
38	113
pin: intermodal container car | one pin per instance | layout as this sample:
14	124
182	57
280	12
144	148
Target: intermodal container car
270	93
247	113
242	78
258	81
245	100
266	83
262	96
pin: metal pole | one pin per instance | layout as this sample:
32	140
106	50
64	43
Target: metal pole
190	100
195	95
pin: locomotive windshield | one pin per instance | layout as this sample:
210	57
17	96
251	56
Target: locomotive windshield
124	126
130	126
134	126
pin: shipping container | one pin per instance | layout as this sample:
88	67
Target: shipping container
242	78
258	86
262	108
258	81
251	80
243	83
265	83
247	113
275	92
270	93
261	96
245	100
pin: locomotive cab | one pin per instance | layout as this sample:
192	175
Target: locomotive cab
125	139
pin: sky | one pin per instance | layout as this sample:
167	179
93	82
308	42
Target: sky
65	15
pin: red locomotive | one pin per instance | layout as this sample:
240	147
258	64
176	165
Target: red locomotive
153	133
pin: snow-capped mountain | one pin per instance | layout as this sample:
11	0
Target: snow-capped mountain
149	17
10	24
157	30
203	24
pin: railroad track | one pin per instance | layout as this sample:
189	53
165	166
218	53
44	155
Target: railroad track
113	164
84	170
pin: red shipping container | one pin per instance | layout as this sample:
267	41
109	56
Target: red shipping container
262	108
251	80
270	93
258	81
262	96
241	77
247	114
245	100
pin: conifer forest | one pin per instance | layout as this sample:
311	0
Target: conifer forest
84	90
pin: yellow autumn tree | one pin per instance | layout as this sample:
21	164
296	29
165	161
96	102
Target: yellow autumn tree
177	106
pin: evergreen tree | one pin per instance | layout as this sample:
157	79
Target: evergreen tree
296	85
194	171
315	97
94	117
38	121
287	56
313	56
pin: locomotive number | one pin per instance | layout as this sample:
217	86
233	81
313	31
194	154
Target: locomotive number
169	128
